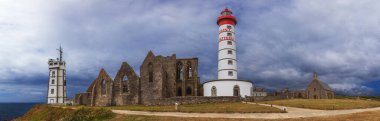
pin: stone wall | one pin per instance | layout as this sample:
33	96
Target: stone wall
155	77
126	86
265	98
82	99
158	80
101	94
194	100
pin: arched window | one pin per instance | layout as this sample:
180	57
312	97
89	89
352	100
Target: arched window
179	91
188	91
103	89
125	87
124	78
236	90
213	91
150	70
190	70
52	81
179	71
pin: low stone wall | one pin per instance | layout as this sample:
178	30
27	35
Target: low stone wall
264	98
194	100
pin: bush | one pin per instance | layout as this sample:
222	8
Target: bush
89	114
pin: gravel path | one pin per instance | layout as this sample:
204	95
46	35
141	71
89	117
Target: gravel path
292	113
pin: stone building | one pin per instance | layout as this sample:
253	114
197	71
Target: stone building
318	90
259	91
160	77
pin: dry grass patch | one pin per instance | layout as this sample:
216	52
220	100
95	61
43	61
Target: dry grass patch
205	108
364	116
326	104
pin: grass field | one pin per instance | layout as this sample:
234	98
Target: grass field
364	116
326	104
204	108
50	113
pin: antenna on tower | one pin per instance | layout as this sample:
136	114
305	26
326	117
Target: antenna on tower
60	53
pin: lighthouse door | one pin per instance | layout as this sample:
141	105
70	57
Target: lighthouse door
236	90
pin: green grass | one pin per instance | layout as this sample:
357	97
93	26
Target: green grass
50	113
359	97
204	108
326	104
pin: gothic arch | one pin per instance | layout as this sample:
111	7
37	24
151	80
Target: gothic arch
104	87
188	91
179	91
150	71
179	71
189	70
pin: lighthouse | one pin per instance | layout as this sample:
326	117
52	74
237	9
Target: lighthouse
227	83
57	80
227	68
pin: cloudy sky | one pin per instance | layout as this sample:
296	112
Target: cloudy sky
279	42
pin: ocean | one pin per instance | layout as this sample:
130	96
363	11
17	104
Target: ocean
9	111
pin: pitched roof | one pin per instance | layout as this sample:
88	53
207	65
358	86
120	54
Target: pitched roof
325	86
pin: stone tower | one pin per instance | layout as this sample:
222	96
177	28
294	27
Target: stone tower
57	80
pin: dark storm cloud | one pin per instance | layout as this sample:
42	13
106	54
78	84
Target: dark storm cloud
280	43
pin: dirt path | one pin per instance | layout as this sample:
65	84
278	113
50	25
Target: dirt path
292	113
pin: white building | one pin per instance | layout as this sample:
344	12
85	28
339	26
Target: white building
227	83
57	81
258	92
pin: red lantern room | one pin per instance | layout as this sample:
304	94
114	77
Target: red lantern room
226	17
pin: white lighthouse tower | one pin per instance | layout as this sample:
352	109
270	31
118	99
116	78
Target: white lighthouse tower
227	83
57	80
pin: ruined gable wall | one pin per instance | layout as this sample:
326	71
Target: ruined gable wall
151	90
131	96
99	99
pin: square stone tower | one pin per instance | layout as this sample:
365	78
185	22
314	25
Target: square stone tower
57	80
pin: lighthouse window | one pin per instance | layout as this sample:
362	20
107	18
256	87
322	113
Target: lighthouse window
53	74
229	27
230	73
229	51
52	91
52	81
230	62
229	42
229	34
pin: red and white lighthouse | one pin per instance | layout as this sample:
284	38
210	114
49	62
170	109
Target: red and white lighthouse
227	83
227	64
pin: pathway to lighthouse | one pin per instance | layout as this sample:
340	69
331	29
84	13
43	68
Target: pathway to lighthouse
292	113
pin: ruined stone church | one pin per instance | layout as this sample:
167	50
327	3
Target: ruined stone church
160	77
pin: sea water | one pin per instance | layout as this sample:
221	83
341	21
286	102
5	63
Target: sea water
9	111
